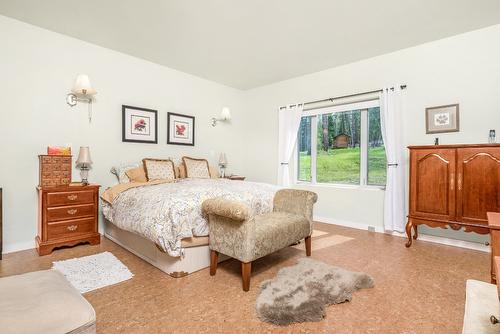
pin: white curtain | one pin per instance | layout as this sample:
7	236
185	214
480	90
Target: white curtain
391	123
289	122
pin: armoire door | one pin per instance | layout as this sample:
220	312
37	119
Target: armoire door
478	183
432	183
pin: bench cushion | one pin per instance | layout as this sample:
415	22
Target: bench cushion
481	302
277	230
43	302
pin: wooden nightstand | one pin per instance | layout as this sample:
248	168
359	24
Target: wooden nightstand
67	216
235	177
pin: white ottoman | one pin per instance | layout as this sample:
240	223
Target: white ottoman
43	302
481	302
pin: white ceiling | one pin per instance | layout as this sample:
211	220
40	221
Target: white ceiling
246	44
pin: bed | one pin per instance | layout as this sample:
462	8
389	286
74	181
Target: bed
163	224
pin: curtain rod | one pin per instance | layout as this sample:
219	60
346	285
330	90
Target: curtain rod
346	96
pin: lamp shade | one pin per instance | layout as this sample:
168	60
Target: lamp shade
84	156
225	114
222	159
82	85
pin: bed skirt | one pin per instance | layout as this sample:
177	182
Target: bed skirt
196	251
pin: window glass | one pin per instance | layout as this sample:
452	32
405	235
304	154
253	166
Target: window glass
304	146
377	162
338	147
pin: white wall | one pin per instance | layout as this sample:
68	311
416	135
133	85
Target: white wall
37	69
462	69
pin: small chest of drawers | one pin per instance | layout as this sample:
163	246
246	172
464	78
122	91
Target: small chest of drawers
67	216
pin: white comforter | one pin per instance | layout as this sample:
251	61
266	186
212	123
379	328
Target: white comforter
169	212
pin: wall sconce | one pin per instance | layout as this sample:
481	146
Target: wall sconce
225	115
82	91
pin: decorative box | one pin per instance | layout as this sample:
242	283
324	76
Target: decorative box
55	170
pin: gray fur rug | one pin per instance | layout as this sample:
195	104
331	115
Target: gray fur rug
302	292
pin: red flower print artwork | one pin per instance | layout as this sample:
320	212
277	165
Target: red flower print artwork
140	125
179	129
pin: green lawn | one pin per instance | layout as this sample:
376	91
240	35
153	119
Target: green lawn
343	166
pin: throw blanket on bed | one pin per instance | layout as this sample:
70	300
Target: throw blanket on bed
166	213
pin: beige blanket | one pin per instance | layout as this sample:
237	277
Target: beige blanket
112	193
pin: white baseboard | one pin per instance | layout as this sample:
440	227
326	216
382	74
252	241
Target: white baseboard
18	246
423	237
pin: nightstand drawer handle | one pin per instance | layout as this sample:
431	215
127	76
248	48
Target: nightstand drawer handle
72	197
72	211
72	227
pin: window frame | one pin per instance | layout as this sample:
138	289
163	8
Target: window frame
363	107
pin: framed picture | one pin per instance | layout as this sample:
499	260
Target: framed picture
139	125
180	129
442	119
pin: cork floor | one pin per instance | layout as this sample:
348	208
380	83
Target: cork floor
417	290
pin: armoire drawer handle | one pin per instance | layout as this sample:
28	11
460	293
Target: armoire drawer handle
72	211
72	197
72	227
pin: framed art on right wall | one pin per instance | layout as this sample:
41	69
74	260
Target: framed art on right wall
442	119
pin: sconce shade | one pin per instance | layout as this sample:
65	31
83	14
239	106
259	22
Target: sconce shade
82	86
222	159
84	156
225	114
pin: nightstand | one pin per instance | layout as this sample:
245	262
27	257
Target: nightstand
236	177
67	216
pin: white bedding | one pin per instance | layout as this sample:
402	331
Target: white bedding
168	212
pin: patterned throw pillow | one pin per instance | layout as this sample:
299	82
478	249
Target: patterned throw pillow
197	168
158	169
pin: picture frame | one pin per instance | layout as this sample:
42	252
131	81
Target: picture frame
139	125
180	129
442	119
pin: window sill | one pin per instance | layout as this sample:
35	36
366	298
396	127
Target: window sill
339	186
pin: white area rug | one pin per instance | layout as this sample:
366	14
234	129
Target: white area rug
93	272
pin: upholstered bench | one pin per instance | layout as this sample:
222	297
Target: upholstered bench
235	233
481	304
43	302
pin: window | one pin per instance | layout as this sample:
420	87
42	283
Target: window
377	161
304	144
342	144
338	158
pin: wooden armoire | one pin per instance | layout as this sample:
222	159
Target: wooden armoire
453	186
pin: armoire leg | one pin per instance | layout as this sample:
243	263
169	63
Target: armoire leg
409	226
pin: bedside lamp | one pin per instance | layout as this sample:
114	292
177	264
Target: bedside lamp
225	115
222	164
83	163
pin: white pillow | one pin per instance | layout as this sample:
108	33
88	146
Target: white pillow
120	171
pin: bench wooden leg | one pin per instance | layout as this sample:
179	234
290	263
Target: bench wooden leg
246	271
308	246
214	256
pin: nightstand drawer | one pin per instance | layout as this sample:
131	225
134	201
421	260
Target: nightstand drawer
70	212
70	228
70	198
